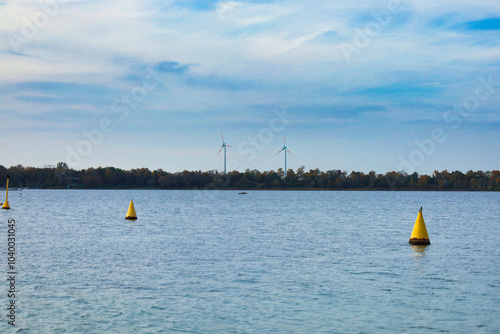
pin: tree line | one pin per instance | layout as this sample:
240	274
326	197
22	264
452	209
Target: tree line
61	176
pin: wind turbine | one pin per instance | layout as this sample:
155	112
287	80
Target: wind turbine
224	145
286	150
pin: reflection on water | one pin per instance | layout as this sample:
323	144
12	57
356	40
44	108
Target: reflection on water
418	250
219	262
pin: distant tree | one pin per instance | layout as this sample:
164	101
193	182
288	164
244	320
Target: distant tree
62	165
290	179
300	173
111	177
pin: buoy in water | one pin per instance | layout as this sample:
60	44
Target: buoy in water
131	212
419	234
5	205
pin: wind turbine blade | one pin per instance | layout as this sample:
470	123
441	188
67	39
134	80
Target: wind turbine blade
279	151
289	152
284	141
222	135
220	149
228	145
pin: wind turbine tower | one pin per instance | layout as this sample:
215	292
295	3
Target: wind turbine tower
224	145
286	150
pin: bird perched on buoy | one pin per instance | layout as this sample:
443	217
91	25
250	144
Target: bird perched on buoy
419	234
131	212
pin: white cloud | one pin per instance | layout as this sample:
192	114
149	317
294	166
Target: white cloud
288	50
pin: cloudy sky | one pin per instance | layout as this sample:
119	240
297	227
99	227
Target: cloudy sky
354	85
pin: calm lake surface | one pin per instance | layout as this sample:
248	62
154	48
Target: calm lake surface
265	262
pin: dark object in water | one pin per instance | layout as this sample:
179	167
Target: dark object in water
242	193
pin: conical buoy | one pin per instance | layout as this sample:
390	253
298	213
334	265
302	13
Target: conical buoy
419	234
6	203
131	211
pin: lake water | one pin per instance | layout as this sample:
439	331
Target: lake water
265	262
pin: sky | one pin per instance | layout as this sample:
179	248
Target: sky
354	85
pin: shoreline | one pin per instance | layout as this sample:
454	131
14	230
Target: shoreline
274	189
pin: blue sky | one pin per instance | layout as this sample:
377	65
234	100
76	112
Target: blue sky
388	85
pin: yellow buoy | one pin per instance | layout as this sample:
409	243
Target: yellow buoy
6	204
419	234
131	212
